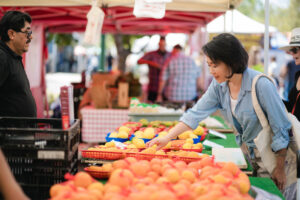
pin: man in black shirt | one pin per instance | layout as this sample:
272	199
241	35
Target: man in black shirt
16	99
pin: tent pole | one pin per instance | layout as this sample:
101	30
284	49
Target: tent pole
225	22
266	38
232	21
102	55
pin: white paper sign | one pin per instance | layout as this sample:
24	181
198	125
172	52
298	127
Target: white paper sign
218	134
145	9
212	144
234	155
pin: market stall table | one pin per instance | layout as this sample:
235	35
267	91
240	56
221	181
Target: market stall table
96	123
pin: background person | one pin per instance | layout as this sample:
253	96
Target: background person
155	60
287	75
293	102
180	78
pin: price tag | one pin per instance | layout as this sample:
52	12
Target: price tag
218	134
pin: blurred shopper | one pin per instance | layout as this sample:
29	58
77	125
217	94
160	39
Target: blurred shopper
16	98
180	78
230	91
155	60
287	75
293	102
272	70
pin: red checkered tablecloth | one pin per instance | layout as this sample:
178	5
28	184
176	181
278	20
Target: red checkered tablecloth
96	123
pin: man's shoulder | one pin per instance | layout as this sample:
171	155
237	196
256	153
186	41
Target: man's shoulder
3	55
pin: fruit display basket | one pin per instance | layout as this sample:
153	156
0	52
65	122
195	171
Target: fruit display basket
204	135
145	139
104	155
97	173
134	126
145	156
176	148
109	139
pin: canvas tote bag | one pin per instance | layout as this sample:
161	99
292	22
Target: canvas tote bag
264	139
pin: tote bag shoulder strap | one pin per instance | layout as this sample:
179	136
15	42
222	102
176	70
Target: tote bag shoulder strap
258	110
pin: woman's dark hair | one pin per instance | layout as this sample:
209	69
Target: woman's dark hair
228	49
14	20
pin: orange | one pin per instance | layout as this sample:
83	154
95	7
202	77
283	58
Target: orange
96	186
82	179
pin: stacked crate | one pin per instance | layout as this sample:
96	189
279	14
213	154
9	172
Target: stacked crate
39	152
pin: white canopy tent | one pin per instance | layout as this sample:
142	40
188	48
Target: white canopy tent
182	5
236	22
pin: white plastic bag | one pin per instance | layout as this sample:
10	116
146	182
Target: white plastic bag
144	9
94	25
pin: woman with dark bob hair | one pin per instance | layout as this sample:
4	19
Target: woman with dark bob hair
230	92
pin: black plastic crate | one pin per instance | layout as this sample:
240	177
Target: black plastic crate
40	191
36	171
36	192
45	136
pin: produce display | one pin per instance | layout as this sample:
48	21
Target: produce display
118	145
159	179
137	107
132	134
114	153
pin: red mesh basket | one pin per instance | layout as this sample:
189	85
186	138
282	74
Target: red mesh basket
178	148
196	150
104	155
185	159
145	156
98	174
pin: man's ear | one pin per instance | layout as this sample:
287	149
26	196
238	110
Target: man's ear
11	34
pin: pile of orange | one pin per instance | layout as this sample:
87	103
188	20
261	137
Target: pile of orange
166	179
159	179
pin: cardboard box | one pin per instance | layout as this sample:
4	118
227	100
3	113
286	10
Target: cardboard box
123	98
98	78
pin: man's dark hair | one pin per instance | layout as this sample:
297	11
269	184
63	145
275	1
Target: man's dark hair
162	37
228	49
177	46
14	20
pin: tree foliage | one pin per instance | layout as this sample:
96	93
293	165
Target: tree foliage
124	44
61	39
283	18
